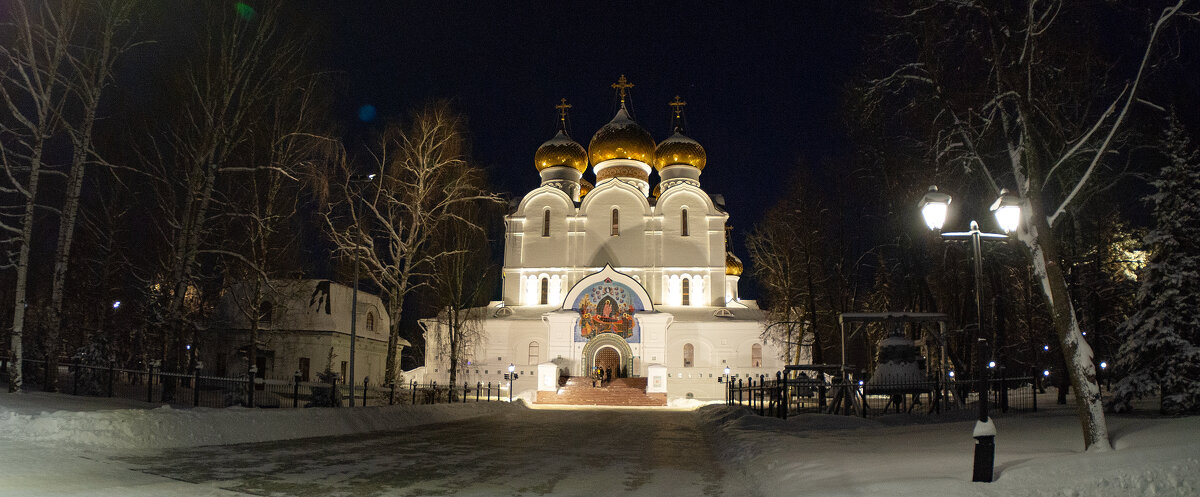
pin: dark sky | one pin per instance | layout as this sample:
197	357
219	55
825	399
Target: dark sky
763	83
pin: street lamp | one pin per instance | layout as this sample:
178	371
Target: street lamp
511	368
354	301
1007	209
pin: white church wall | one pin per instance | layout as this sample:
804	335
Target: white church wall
628	248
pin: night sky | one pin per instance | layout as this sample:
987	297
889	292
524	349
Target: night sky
763	83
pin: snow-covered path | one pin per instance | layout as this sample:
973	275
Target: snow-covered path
518	452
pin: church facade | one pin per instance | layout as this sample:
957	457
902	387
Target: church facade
618	276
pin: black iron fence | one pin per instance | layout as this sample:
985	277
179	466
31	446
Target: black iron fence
196	389
781	397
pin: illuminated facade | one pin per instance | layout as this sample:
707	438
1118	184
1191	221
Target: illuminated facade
589	271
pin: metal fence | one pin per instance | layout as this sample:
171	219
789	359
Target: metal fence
782	397
154	385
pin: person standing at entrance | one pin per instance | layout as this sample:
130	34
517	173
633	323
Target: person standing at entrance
608	374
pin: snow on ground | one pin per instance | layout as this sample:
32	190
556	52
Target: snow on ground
52	445
101	423
1036	455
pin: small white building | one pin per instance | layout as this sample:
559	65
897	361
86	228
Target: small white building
305	321
616	276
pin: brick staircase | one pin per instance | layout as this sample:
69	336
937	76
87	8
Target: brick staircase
578	391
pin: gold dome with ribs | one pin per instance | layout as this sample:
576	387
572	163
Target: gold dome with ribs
679	149
561	151
733	265
621	138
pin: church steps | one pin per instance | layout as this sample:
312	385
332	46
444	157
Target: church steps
619	392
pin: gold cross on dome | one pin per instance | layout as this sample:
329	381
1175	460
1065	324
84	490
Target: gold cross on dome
621	85
562	112
677	105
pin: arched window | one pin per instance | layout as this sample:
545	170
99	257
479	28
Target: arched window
756	356
683	227
689	355
686	292
545	299
370	321
534	352
546	222
267	310
616	224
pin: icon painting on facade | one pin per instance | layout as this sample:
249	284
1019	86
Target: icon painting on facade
608	307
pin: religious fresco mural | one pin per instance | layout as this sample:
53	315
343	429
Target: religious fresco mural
608	307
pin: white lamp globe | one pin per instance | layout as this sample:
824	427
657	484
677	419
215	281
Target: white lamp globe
1007	209
934	206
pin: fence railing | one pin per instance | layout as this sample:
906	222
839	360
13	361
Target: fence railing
781	397
196	389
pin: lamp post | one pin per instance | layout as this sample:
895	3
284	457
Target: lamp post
354	307
511	368
1007	209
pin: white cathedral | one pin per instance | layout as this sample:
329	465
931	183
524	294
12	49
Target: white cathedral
617	276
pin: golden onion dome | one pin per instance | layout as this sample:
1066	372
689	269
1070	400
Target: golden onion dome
585	186
679	149
561	151
733	265
621	138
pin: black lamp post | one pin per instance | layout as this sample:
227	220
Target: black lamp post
511	368
354	307
934	206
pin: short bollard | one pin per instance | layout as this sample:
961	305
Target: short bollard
296	390
196	384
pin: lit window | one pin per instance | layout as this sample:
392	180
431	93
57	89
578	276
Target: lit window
683	226
689	355
686	292
546	222
545	299
756	356
616	223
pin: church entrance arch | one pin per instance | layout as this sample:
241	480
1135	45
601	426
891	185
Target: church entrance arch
608	350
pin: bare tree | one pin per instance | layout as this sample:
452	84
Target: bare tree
788	256
384	215
244	64
92	58
1014	94
462	277
33	89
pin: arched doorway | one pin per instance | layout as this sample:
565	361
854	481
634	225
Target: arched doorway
607	358
608	347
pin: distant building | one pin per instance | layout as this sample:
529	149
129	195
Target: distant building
620	276
305	320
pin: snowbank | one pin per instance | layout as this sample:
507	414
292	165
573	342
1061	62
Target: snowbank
165	427
1036	455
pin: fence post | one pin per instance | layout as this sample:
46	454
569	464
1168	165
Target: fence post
296	390
762	395
783	394
488	398
150	383
1034	386
392	395
413	389
253	376
196	386
366	379
436	394
111	373
75	379
739	391
478	385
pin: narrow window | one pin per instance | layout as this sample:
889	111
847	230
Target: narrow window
687	290
683	227
756	356
616	225
546	222
370	321
689	355
267	309
534	352
545	291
